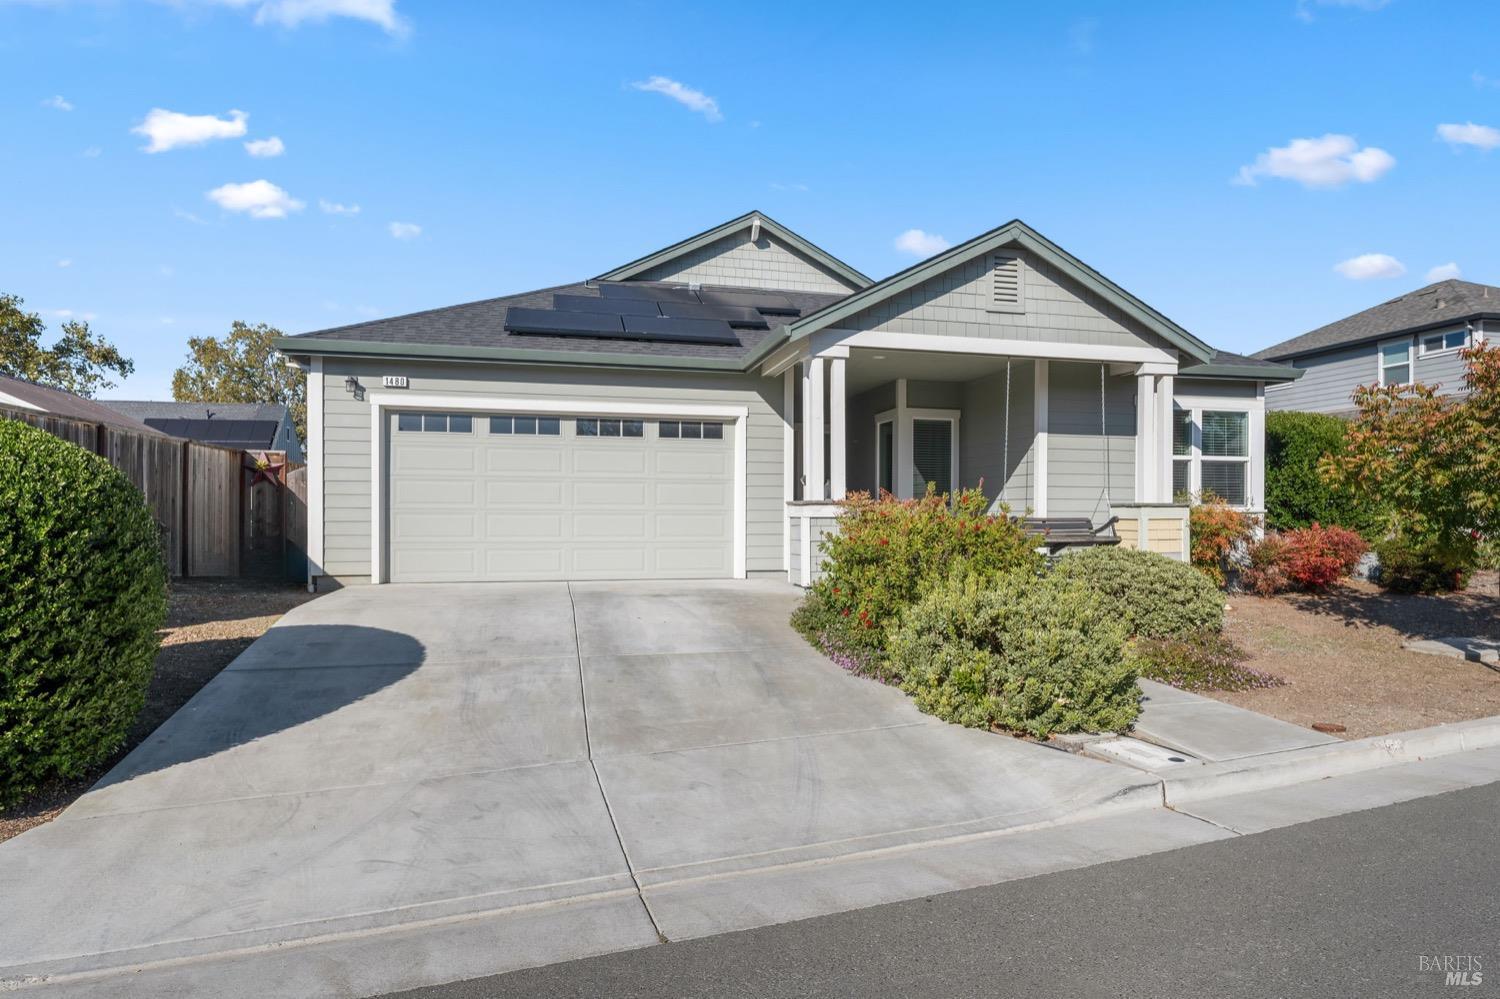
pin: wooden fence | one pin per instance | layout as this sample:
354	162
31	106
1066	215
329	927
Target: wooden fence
197	494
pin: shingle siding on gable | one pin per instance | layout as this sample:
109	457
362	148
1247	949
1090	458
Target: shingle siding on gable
955	304
739	263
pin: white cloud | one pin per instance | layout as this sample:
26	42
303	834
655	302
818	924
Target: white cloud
404	230
292	13
58	102
265	148
1083	35
695	100
1370	266
260	199
166	270
1331	161
1470	134
187	216
1444	272
1482	82
921	244
170	129
334	208
65	263
87	317
1305	7
93	153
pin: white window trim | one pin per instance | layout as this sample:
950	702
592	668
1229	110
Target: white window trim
880	421
1411	361
903	420
1422	350
382	404
1255	473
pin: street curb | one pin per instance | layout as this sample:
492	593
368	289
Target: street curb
1296	766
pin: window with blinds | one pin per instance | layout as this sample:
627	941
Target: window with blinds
1225	447
932	456
1007	288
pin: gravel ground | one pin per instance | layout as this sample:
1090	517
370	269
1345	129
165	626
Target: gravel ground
209	622
1341	655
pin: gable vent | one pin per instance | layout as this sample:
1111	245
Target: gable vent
1007	292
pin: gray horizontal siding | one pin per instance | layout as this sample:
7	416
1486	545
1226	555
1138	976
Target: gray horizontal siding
737	262
1076	457
1055	310
982	453
1327	382
347	455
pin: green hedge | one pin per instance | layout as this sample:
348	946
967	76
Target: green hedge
1152	596
1296	495
1015	652
82	594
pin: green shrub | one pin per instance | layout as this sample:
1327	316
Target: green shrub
1297	495
82	594
1204	661
1413	567
1487	554
1015	652
887	551
1149	594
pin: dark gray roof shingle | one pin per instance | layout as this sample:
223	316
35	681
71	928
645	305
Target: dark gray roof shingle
140	409
481	324
1446	301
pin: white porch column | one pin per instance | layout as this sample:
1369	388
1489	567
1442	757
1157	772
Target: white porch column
901	475
1146	439
837	439
1039	452
788	460
812	428
1164	392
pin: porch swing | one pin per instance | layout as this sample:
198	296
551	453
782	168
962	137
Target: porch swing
1061	533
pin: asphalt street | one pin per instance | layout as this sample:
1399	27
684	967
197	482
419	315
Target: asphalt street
1347	906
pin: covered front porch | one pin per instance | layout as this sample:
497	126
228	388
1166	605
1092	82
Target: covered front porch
1047	431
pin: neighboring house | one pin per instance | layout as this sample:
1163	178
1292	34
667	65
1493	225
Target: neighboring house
693	412
19	394
248	426
1416	337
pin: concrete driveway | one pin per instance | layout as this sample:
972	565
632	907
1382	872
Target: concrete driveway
408	784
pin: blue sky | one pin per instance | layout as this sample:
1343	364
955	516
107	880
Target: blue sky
493	148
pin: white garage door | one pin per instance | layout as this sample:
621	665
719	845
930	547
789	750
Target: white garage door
524	496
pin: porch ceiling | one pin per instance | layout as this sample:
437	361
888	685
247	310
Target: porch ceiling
868	368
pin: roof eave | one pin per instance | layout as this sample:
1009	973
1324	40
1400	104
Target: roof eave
1242	372
308	347
642	264
1467	317
1013	232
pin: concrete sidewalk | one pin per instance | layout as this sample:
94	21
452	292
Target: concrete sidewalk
1213	731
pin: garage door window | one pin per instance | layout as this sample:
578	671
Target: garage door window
691	430
540	426
611	428
435	423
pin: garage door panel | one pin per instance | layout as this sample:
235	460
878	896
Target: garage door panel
435	459
610	494
432	526
524	459
433	492
523	492
481	506
622	457
524	526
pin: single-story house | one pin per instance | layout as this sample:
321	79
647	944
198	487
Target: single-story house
247	426
1413	338
695	412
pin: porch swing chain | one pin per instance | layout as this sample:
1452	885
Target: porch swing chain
1104	438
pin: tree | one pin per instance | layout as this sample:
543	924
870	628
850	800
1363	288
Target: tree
1435	459
77	362
242	367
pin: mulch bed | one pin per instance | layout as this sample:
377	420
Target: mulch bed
209	623
1341	656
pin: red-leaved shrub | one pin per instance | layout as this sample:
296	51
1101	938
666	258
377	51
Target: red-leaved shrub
1311	558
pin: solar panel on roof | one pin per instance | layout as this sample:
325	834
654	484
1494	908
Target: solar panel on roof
655	293
714	331
769	303
605	306
549	321
734	315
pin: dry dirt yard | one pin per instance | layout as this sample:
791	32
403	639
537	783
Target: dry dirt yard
209	622
1341	656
